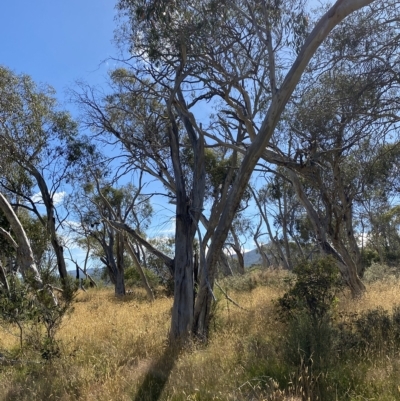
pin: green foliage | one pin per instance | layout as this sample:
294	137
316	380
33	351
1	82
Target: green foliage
133	279
254	278
374	332
379	272
313	291
37	313
368	257
16	307
309	346
327	359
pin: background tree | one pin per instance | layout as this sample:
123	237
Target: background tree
39	146
181	56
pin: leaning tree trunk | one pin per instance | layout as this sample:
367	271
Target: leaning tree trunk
51	223
140	270
23	248
339	11
348	271
224	265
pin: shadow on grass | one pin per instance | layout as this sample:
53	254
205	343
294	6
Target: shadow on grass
157	376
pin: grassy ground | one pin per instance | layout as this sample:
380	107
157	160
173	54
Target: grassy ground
109	346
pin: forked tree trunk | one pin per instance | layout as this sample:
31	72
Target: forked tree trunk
189	207
348	271
116	271
51	223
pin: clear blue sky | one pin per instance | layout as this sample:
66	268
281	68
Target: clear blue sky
58	41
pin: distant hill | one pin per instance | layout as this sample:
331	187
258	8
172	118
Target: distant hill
251	258
94	273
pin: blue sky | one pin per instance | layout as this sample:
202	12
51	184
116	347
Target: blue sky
58	41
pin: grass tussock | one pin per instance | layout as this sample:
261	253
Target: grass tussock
108	347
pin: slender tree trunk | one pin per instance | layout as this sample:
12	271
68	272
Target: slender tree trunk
273	239
24	252
51	222
285	231
264	257
299	247
349	272
225	266
340	10
120	286
139	268
238	251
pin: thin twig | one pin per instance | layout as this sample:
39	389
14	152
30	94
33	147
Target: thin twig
229	298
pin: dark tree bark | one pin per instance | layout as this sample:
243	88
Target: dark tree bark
51	222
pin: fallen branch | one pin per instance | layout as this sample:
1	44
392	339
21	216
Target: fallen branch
229	298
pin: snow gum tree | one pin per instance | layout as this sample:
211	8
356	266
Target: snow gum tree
39	147
205	74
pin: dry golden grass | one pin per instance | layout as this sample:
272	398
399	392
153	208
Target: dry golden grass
384	294
110	345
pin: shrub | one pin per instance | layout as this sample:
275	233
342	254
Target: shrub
374	332
378	272
309	345
133	279
312	291
37	313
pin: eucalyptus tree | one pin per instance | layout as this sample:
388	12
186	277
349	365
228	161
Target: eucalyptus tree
39	146
243	57
94	206
277	202
377	209
21	245
347	111
337	146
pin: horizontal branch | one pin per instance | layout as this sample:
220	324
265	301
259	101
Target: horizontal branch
165	258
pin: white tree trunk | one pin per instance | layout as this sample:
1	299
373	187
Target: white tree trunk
25	257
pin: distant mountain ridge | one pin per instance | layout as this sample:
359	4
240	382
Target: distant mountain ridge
251	258
94	273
